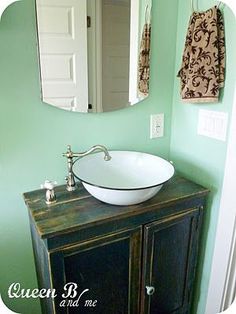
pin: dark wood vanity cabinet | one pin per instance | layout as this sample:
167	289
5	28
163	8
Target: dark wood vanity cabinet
108	266
170	248
118	260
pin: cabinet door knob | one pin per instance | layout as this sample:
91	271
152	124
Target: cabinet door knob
150	290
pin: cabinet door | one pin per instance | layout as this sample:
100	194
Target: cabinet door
170	248
110	267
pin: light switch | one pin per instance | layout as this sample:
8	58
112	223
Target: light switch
157	125
213	124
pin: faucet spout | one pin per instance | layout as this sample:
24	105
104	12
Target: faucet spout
93	149
70	179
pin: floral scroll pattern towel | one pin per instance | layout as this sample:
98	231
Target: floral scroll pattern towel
144	61
202	71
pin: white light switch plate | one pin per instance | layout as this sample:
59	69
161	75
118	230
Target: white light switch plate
213	124
157	125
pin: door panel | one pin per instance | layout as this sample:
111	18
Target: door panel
109	267
115	48
62	30
168	264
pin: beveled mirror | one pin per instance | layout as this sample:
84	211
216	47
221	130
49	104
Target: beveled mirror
94	55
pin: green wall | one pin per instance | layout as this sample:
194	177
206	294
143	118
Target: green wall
200	158
33	135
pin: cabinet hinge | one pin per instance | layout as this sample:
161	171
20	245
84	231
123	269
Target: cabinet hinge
199	218
88	21
189	296
197	224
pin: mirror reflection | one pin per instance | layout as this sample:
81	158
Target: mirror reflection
94	55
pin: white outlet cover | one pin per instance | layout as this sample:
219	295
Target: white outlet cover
157	125
213	124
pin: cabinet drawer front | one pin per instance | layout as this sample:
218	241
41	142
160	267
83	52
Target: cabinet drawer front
109	267
169	263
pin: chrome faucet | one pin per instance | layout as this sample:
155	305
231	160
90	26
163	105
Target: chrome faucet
70	179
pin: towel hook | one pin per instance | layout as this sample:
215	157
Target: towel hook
192	6
146	14
148	11
219	4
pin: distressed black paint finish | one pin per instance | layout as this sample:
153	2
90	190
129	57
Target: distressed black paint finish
108	266
77	210
170	247
116	251
110	289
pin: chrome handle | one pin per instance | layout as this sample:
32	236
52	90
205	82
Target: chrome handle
50	193
150	290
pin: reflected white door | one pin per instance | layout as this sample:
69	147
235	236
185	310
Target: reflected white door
63	50
115	48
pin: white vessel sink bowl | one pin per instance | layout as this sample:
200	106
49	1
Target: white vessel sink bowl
128	178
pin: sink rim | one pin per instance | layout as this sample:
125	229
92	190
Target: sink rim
125	188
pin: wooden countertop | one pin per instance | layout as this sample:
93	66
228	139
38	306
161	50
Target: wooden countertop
78	209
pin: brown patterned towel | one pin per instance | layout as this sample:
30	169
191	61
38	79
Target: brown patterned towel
144	61
202	71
